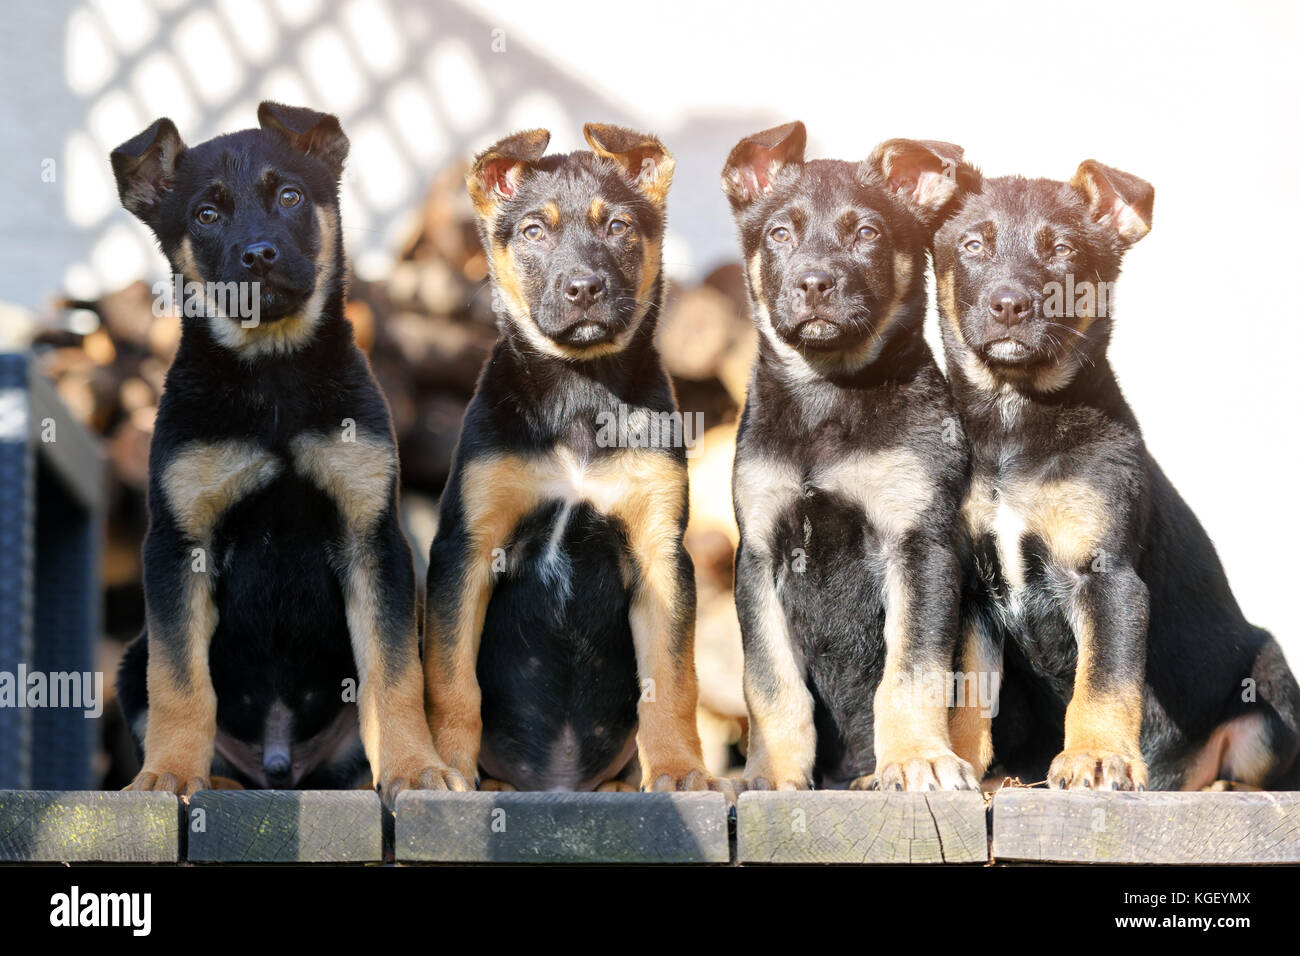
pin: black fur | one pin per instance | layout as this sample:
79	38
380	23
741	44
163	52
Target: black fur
811	405
1040	402
281	632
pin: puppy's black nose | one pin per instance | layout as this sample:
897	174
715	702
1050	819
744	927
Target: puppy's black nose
259	257
816	285
276	767
1010	306
582	291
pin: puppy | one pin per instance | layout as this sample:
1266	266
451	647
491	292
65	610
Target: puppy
276	575
559	638
1128	662
850	469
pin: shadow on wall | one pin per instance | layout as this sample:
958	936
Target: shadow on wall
416	85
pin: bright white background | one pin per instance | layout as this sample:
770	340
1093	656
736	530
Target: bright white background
1201	99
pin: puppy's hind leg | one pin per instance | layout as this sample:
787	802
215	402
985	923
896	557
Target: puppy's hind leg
1257	748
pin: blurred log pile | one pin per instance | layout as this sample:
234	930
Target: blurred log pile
428	328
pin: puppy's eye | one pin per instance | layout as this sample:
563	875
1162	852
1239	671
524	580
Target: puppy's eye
867	233
1063	250
207	215
618	227
781	234
290	197
974	246
532	232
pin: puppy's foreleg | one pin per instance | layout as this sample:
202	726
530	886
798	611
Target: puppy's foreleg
481	506
1103	722
662	618
373	563
913	748
181	725
782	738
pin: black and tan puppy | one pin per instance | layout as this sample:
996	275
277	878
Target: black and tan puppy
559	641
850	470
1119	626
276	575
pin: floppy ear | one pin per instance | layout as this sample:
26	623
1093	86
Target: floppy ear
144	167
924	174
1116	199
316	134
498	170
644	159
756	160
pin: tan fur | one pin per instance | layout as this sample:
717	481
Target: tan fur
181	726
970	722
1240	745
203	481
668	741
357	475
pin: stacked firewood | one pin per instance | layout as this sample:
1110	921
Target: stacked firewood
428	328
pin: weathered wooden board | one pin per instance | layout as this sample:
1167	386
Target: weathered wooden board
561	827
75	826
1175	828
285	826
861	827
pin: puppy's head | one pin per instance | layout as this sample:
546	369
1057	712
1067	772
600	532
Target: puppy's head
835	251
250	217
573	241
1026	272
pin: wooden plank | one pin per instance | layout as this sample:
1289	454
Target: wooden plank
861	827
73	826
561	827
285	826
1175	828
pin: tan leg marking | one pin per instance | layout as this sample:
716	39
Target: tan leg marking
1102	729
200	484
970	722
496	493
1238	746
663	631
782	738
913	750
912	747
359	476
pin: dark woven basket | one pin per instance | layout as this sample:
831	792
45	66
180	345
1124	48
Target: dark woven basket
50	520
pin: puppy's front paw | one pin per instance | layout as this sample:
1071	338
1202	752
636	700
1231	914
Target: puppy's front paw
669	779
941	771
771	777
420	775
183	783
1084	769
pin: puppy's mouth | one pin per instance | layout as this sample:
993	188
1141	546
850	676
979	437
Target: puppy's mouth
819	332
586	332
278	302
1009	351
600	325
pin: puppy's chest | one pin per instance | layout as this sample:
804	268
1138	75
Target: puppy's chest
1035	538
204	480
827	503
